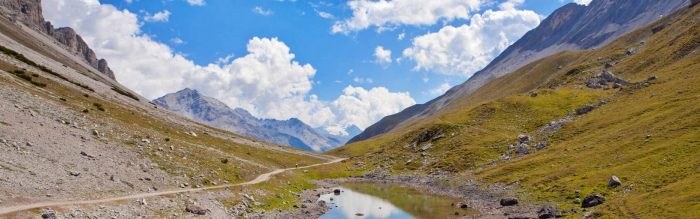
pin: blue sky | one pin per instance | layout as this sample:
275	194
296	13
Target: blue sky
223	27
324	62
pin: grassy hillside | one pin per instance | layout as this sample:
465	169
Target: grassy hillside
647	133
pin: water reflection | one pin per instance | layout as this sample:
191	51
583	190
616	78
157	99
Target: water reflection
378	201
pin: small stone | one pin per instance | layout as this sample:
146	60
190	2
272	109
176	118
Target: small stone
48	214
73	173
652	78
614	182
509	201
577	201
146	141
29	144
192	208
336	191
3	141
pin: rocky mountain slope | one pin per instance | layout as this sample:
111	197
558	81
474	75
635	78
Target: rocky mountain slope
68	132
572	27
607	133
29	13
292	132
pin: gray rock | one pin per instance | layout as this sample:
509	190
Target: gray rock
509	201
592	200
577	201
585	110
336	191
548	212
524	138
48	214
523	149
614	182
74	173
194	209
541	145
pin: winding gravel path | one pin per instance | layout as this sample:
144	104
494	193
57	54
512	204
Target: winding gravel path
261	178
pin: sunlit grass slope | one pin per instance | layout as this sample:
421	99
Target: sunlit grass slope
646	134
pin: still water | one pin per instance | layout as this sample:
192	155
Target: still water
376	201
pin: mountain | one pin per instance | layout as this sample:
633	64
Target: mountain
293	132
571	27
341	139
29	13
620	122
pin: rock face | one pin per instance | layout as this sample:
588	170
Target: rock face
293	132
571	27
29	12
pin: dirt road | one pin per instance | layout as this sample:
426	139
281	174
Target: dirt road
259	179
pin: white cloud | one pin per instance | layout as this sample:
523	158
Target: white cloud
364	107
267	80
511	4
401	36
162	16
325	15
385	14
177	41
382	56
196	2
264	12
466	49
439	90
582	2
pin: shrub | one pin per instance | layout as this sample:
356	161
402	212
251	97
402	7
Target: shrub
224	161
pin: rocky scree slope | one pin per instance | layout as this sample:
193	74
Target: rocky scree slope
293	132
29	12
571	27
611	132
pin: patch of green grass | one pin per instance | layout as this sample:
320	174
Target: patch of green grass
4	123
27	61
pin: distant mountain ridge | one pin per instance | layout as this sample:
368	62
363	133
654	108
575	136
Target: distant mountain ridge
571	27
29	12
293	132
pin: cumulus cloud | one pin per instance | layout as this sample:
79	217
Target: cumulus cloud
463	50
363	107
177	41
162	16
582	2
196	2
267	81
385	14
382	56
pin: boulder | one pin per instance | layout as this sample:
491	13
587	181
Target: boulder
541	145
614	182
509	201
592	200
336	191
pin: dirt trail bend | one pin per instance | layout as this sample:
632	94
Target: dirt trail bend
261	178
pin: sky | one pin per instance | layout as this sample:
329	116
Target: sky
332	64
